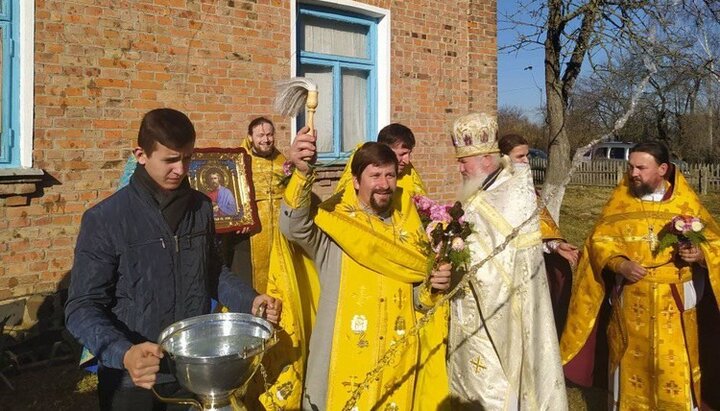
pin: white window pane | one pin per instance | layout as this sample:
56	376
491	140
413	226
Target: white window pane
355	88
323	77
334	37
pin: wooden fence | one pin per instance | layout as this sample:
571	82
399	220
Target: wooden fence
705	178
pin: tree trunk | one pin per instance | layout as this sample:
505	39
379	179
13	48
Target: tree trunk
558	145
711	110
559	158
711	124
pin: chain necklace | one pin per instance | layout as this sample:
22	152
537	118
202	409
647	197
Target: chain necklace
652	237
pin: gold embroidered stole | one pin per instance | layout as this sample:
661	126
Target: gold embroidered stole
548	228
380	264
432	387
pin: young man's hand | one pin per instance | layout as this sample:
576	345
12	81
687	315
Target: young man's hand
273	307
143	363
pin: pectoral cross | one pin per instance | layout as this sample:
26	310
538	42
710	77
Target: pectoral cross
652	238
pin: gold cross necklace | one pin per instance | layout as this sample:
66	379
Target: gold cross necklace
652	237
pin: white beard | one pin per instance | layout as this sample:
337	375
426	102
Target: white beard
471	186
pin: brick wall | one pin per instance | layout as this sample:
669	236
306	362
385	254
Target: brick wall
100	65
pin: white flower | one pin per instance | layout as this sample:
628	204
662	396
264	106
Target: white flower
679	225
431	227
696	226
457	244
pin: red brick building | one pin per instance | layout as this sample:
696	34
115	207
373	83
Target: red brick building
85	71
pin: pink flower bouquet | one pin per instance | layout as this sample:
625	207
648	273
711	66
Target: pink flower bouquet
682	230
447	231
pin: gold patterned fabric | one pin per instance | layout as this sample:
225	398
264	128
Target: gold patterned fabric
267	172
381	262
432	387
294	280
652	334
548	227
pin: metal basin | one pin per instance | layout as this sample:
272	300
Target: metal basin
216	354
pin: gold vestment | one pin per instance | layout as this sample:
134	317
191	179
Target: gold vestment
652	335
432	388
380	264
267	174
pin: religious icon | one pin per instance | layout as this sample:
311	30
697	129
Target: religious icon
359	324
224	176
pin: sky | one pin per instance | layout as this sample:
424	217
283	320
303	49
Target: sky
521	75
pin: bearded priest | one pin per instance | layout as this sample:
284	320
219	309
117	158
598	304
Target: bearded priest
503	349
373	274
650	293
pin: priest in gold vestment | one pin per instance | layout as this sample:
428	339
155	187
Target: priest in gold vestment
653	291
293	279
503	350
248	253
432	388
373	274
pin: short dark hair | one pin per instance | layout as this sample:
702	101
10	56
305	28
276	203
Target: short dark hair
377	154
166	126
657	149
258	121
509	141
397	133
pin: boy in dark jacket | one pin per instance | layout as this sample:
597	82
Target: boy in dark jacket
145	258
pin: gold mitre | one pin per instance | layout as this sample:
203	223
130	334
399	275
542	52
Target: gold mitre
475	134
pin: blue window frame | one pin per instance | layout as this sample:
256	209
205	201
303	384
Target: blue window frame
9	67
338	50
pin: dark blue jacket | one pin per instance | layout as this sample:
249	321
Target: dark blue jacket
132	276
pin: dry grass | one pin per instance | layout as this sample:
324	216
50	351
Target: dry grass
582	205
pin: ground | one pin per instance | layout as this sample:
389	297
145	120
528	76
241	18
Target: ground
62	387
66	387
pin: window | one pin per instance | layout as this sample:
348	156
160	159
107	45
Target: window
337	49
618	153
600	152
9	87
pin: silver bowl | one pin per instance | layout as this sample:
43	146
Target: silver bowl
214	355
